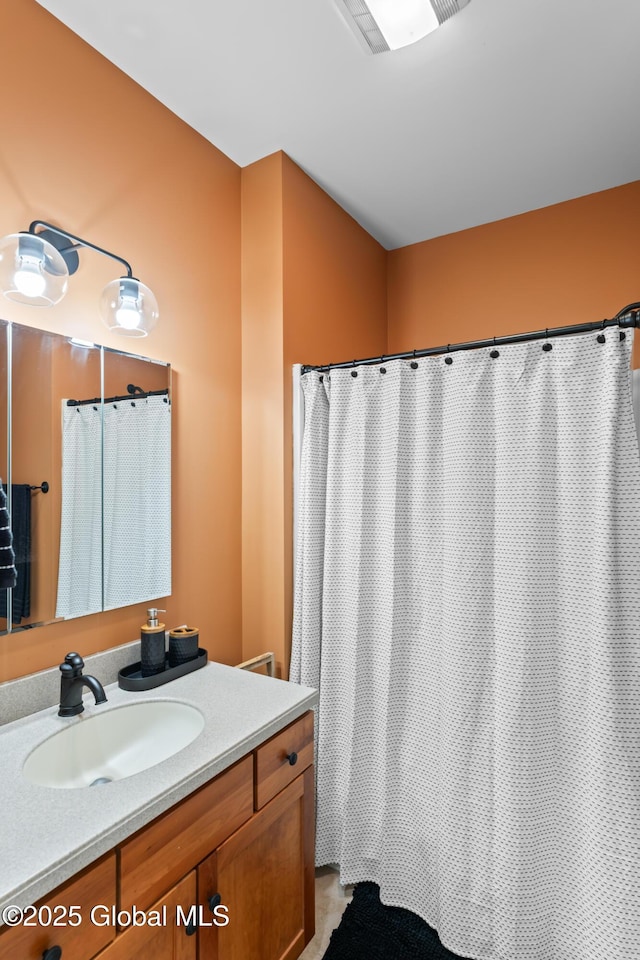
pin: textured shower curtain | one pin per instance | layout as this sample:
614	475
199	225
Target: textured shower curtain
467	600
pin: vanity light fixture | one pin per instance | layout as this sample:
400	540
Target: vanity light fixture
390	24
35	267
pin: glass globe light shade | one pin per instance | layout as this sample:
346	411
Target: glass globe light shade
32	270
129	307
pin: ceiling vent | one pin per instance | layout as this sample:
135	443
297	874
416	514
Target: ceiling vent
390	24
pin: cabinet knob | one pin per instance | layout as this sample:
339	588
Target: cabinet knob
190	928
292	758
53	953
214	901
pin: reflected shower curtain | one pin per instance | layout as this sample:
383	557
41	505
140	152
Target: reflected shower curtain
116	508
80	564
137	501
467	601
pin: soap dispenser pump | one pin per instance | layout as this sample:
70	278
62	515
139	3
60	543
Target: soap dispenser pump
152	644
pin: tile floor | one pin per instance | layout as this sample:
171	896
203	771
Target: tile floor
331	900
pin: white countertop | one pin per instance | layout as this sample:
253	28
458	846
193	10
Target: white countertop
48	834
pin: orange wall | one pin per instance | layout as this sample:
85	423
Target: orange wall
573	262
313	289
106	161
335	279
117	167
263	614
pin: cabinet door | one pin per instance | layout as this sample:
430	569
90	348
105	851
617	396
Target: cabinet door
264	876
165	936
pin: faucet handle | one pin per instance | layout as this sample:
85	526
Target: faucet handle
72	666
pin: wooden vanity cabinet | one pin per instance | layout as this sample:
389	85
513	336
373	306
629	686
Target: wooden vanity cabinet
249	836
242	843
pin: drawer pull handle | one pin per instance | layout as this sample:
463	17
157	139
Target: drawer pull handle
214	901
190	928
292	758
53	953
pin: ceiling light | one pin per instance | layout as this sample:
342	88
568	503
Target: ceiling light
35	268
390	24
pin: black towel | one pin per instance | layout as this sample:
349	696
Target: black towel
8	573
21	531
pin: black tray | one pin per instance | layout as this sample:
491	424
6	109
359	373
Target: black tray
130	678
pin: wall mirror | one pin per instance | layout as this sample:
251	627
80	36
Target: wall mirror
85	461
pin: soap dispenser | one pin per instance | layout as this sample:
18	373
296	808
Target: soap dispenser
152	644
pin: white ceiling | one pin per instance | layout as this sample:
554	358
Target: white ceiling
509	106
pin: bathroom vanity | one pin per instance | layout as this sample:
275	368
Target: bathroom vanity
207	854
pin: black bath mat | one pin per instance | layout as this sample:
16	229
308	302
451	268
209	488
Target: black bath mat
371	931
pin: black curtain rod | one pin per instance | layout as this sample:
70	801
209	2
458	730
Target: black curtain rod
127	396
627	317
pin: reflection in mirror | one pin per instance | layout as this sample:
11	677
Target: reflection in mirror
100	537
79	573
137	480
5	595
45	368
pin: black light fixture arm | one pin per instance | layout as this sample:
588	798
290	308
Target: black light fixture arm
78	242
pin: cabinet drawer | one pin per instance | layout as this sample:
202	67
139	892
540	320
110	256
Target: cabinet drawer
274	769
161	853
93	887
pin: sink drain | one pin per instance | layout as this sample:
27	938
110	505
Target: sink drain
100	780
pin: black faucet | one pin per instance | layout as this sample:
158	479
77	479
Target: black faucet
71	686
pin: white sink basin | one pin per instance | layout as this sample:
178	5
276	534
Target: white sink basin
113	745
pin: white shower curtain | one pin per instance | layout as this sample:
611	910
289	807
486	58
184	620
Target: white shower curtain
467	600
